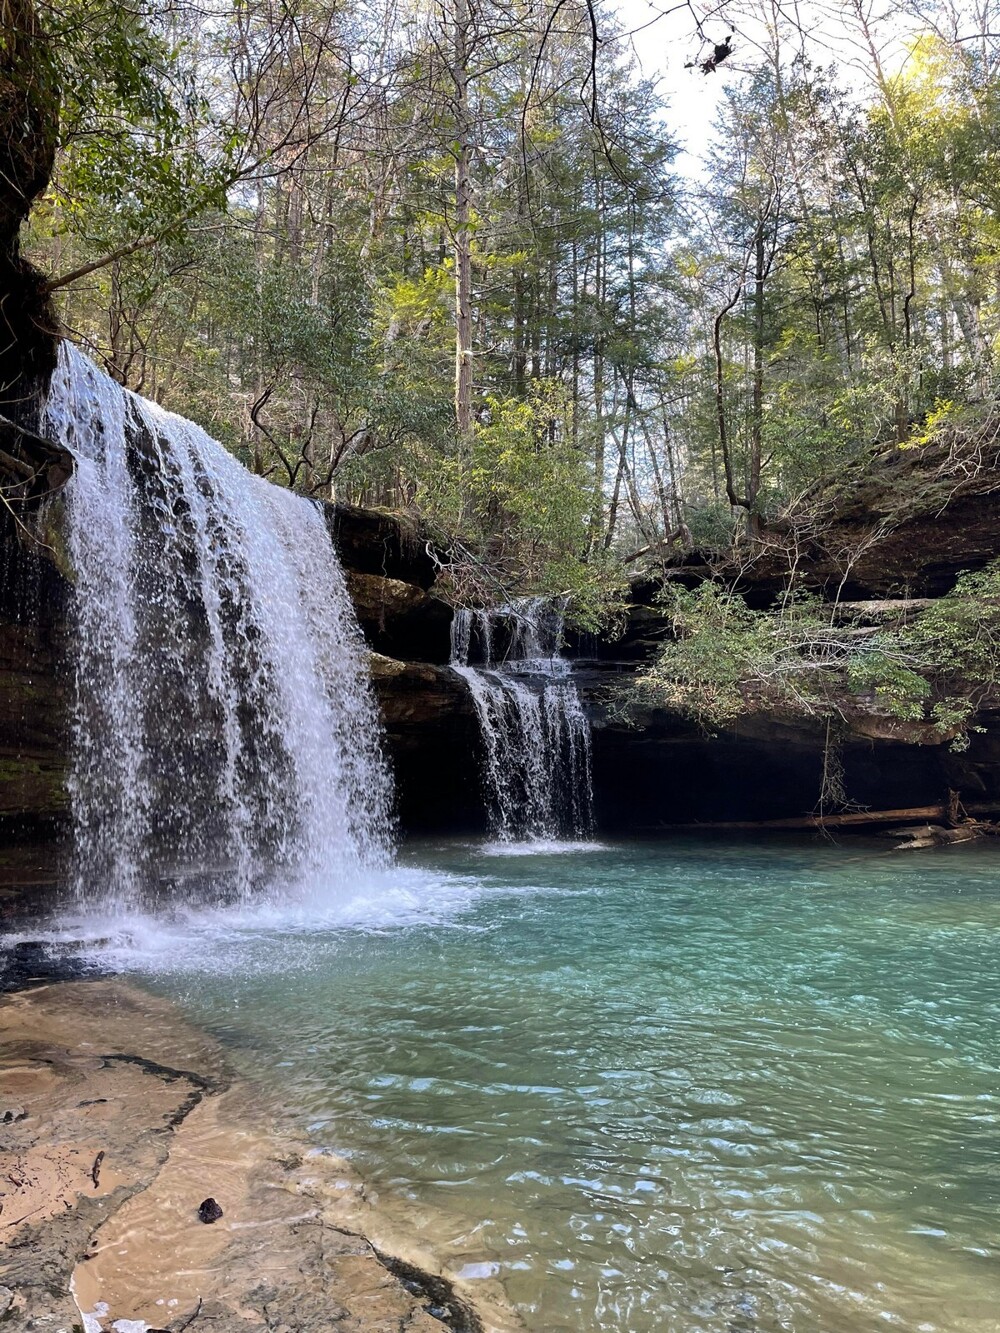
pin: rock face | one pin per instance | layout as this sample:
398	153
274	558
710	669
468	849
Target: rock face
433	739
666	772
907	526
29	119
32	710
370	542
399	618
660	772
430	725
33	683
661	769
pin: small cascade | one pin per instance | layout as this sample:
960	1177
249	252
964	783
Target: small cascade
536	737
222	713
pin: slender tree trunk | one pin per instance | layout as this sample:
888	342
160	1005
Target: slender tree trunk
256	441
575	270
462	240
536	325
597	511
721	420
520	351
550	319
675	477
757	395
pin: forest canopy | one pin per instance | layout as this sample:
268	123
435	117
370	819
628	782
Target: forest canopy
441	257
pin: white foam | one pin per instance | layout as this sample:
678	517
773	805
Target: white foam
541	847
246	937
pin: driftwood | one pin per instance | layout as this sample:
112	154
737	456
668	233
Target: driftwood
934	835
916	814
885	611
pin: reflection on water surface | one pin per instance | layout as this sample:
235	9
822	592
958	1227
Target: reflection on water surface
652	1087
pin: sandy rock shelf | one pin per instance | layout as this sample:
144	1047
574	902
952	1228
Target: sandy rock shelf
117	1119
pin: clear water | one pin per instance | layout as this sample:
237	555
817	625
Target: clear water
650	1087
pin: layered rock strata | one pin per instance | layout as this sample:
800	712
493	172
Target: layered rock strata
651	772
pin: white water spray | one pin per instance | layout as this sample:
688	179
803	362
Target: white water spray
536	737
222	714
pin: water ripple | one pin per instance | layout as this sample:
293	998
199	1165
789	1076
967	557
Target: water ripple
681	1088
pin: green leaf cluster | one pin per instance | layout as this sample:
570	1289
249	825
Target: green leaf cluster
726	659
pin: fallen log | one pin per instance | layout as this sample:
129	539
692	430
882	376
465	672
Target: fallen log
882	610
917	814
934	835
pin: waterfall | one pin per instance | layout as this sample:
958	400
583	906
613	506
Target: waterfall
536	738
222	717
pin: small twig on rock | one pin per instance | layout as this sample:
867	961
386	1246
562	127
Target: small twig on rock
191	1318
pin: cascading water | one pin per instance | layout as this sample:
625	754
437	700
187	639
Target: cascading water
222	714
536	737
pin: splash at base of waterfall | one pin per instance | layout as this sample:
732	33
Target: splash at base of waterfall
222	715
536	737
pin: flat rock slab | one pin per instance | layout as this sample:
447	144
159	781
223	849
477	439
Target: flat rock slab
123	1119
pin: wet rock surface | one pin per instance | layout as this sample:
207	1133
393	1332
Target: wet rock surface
33	682
400	619
125	1113
435	744
28	963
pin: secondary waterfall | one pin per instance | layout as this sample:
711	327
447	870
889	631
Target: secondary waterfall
536	737
222	716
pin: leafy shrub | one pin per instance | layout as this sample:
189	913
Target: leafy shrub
726	659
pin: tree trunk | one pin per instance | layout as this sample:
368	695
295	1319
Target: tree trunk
29	126
856	819
597	509
757	396
462	235
520	350
721	420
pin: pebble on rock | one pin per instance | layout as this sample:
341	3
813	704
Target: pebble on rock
209	1211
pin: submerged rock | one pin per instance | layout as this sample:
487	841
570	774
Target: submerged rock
122	1253
29	963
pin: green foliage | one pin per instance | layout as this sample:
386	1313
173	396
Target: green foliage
527	477
522	499
959	637
726	659
719	648
133	129
899	691
296	167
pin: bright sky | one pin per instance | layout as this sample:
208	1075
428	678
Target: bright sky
665	39
664	43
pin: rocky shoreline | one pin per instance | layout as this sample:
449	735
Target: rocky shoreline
118	1121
